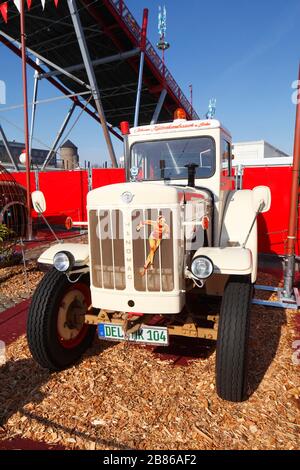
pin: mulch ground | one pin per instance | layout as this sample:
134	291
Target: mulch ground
15	286
133	397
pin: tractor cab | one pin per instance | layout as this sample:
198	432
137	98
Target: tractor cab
166	152
190	154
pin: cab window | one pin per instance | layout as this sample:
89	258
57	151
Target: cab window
168	159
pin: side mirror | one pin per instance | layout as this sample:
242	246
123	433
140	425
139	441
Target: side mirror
261	198
38	202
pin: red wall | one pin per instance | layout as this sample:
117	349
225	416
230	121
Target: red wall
65	193
107	176
272	226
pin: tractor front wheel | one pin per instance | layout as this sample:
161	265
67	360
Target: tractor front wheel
56	332
233	338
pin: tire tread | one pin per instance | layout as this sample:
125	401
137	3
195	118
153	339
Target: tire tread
232	343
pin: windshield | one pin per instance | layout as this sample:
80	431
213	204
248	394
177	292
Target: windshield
167	159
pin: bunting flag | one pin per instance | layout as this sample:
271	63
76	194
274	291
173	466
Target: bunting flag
4	10
17	3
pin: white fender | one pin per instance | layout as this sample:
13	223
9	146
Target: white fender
239	214
78	250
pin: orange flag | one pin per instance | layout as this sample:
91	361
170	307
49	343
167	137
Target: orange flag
4	10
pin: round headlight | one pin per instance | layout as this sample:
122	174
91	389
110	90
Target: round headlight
63	261
202	267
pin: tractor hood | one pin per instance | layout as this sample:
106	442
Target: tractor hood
147	194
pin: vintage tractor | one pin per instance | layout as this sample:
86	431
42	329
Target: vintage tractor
175	232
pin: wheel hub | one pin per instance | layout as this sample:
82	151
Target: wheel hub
71	315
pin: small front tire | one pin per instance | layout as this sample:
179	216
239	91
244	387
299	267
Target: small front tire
56	333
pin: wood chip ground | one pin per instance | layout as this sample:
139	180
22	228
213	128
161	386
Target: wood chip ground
133	397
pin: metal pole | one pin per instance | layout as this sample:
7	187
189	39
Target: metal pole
292	230
159	106
7	148
97	62
92	78
33	110
191	100
139	90
26	125
57	138
46	101
141	69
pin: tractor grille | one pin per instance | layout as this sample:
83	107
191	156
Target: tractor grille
132	249
107	249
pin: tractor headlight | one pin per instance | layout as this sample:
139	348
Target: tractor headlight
202	267
63	261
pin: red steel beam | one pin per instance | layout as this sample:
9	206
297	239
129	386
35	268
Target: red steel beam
144	29
26	123
54	82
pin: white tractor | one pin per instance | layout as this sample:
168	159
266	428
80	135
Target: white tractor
177	230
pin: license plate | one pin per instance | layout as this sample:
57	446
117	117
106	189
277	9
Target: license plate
146	334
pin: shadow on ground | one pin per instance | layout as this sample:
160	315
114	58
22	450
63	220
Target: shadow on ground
265	332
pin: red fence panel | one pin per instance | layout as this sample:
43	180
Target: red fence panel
65	193
272	225
105	176
20	178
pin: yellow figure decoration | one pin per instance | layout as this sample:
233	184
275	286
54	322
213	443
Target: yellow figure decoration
160	230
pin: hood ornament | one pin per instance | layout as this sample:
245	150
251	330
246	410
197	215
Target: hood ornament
134	171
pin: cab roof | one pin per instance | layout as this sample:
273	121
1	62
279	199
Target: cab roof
178	125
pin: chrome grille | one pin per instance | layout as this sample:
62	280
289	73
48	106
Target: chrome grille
147	264
107	249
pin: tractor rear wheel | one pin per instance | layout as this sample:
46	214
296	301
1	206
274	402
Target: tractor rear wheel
233	338
56	333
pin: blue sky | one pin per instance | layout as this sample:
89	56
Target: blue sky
245	53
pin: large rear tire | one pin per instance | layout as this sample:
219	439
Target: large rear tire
56	333
233	338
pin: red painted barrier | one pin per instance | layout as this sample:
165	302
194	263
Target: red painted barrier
66	191
107	176
272	226
20	178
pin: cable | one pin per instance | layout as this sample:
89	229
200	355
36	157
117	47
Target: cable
35	139
78	117
20	129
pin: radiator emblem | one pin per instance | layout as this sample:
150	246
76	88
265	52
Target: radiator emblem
127	197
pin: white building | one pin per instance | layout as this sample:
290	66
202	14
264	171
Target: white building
258	152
